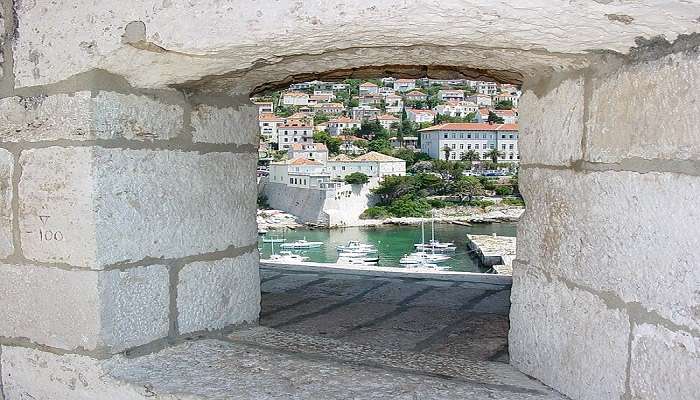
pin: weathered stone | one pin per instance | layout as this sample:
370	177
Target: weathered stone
664	364
617	232
82	116
107	206
225	125
6	170
215	294
646	110
552	126
567	338
84	309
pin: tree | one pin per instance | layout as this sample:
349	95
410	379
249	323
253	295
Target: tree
372	128
447	150
468	187
380	145
504	105
405	154
471	155
493	154
320	118
356	178
333	143
494	118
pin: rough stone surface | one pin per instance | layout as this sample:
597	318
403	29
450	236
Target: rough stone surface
82	116
114	206
225	125
85	310
664	364
214	294
50	50
580	227
647	110
6	170
551	127
567	338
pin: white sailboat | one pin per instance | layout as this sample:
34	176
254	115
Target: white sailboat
356	246
284	257
301	244
433	244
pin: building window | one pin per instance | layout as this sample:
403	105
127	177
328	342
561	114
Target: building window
469	135
503	146
503	136
454	146
461	146
469	146
445	136
492	146
510	147
483	136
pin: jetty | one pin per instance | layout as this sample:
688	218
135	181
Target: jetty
497	252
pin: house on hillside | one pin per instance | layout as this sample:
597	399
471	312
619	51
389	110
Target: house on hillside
368	88
404	85
420	116
295	99
294	131
341	125
268	124
310	151
451	95
386	120
372	164
459	138
365	112
509	116
393	103
416	95
459	109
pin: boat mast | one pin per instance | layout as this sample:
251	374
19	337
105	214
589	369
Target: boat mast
432	228
422	232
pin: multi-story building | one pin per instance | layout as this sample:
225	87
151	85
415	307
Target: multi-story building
328	108
269	124
386	120
265	107
420	116
487	88
409	142
481	100
451	95
509	116
393	103
457	108
459	138
365	112
386	91
349	144
416	95
295	99
310	151
294	131
507	96
299	173
404	85
368	88
372	164
370	99
342	125
328	95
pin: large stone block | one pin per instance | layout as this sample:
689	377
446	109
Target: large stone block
82	116
225	125
95	207
664	364
89	310
647	110
551	126
215	294
567	338
633	235
6	171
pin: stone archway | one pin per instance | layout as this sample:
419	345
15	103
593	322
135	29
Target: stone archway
116	121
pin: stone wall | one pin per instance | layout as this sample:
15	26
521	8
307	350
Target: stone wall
605	292
127	224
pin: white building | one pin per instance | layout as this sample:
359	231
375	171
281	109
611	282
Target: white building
409	142
341	125
506	96
451	95
487	88
393	103
370	99
328	95
404	85
269	124
386	120
457	108
372	164
386	91
459	138
365	112
349	144
368	88
295	99
265	107
299	173
509	116
416	95
336	87
310	151
294	131
420	116
481	100
329	108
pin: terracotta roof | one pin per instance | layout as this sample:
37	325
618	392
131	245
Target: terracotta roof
341	157
387	117
270	117
302	161
405	81
343	120
296	126
374	156
419	111
471	127
368	84
415	93
309	147
350	138
296	94
329	105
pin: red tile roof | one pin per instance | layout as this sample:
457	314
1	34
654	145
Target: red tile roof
471	127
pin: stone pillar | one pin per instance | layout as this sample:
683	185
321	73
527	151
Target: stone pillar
127	223
605	294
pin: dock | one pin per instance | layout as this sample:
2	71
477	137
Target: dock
497	252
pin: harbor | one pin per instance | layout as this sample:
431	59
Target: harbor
392	244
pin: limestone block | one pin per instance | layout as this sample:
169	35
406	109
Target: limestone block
647	110
215	294
81	116
551	126
567	338
633	235
35	374
96	206
83	309
225	125
664	364
6	169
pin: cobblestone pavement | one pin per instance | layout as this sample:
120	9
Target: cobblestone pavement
461	319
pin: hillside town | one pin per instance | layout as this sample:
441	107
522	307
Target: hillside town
330	151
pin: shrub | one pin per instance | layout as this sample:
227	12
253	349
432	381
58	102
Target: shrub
356	178
504	190
262	202
376	212
437	203
513	201
481	203
409	207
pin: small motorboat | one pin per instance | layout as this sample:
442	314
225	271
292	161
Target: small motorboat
301	244
357	261
355	245
273	239
421	257
286	257
352	254
436	245
426	265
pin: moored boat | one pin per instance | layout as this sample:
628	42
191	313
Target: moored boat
301	244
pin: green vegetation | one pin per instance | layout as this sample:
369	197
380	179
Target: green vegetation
356	178
332	142
377	212
513	201
442	118
494	118
504	190
262	202
504	105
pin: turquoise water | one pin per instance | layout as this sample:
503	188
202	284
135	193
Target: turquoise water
392	241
